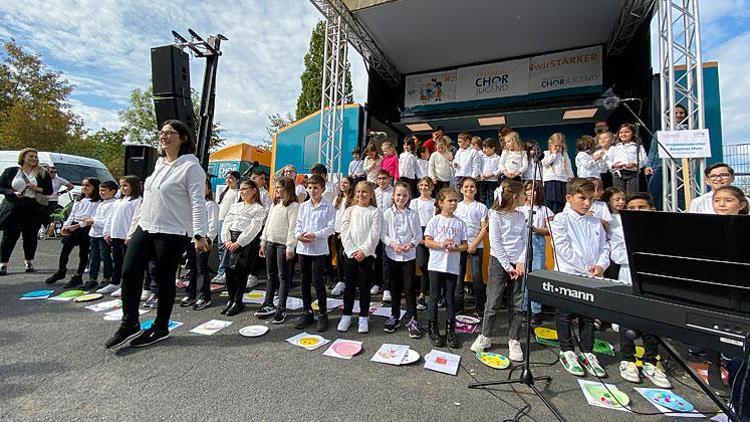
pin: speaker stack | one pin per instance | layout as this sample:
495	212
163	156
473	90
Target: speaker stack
170	73
140	160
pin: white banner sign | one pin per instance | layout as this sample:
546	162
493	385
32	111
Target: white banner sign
684	143
567	69
430	88
495	80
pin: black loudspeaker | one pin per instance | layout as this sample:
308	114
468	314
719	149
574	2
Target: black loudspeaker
170	72
140	160
179	108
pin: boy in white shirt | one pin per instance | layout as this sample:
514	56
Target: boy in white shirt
717	176
488	177
423	161
466	161
581	248
356	169
314	226
384	199
599	209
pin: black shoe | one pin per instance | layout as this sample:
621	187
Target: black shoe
29	268
236	308
391	324
122	335
3	271
450	328
305	320
226	308
54	278
90	285
187	301
421	304
322	323
149	337
279	317
75	281
201	304
265	311
434	334
441	302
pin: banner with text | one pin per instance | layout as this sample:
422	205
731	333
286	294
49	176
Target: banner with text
684	143
567	69
496	80
430	88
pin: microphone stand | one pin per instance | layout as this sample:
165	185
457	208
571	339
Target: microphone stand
527	378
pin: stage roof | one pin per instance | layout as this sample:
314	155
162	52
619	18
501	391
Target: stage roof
416	36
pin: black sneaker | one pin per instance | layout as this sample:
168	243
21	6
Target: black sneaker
75	281
29	268
441	303
122	335
279	317
201	304
54	278
90	285
391	324
421	304
322	323
3	270
187	301
265	311
305	320
414	330
149	337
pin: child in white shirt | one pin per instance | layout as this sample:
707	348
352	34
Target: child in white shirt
422	162
407	166
356	166
384	200
581	248
474	216
445	235
513	161
556	171
344	200
198	261
588	161
507	266
541	218
466	161
717	175
488	181
372	163
627	160
101	252
439	168
424	205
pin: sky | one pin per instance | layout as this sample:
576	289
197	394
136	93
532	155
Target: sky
103	48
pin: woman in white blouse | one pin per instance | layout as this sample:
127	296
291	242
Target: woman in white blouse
228	196
172	212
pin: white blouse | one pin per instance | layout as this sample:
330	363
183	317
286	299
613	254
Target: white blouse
121	217
360	230
82	209
401	227
244	218
279	226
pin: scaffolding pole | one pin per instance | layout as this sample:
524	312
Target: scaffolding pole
333	95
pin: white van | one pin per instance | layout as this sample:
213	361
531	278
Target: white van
73	168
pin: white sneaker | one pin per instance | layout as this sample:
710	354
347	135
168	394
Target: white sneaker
219	279
252	281
629	371
344	323
386	295
338	289
375	290
481	344
109	288
656	375
616	327
515	353
117	293
364	325
145	294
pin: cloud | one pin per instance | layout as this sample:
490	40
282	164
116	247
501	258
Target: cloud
96	117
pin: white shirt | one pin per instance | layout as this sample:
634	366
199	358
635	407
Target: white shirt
425	209
19	185
121	217
300	190
490	164
174	198
244	218
422	166
703	204
472	215
513	161
329	194
541	215
618	250
57	183
441	228
467	163
317	219
356	169
280	224
401	228
556	166
529	173
580	242
372	167
339	215
587	166
384	197
439	167
101	216
212	216
265	199
507	238
598	209
623	153
407	165
231	196
81	209
360	230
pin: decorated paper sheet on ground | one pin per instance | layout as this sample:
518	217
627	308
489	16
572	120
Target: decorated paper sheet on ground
211	327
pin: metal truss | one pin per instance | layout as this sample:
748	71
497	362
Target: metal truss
333	95
375	60
633	14
680	50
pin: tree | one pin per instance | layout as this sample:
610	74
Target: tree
104	145
308	101
139	119
276	122
34	107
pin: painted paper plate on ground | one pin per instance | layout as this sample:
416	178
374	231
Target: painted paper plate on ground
411	357
669	400
493	360
37	293
467	319
312	340
346	348
545	333
72	293
253	331
88	297
600	393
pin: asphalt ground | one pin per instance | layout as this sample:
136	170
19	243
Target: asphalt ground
53	366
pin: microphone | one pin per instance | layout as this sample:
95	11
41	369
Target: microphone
613	101
250	169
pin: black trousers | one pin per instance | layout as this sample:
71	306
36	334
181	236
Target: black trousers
381	268
442	282
23	220
118	257
565	331
340	271
403	279
423	259
311	269
475	261
650	346
239	264
197	263
280	272
80	238
358	275
166	250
